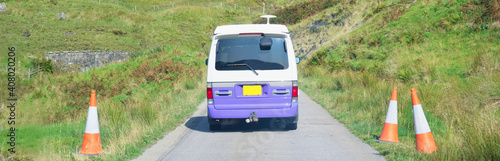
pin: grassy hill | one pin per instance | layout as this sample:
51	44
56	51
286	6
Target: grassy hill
447	51
104	26
138	100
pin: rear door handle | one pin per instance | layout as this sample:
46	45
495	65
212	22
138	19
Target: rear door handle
276	92
228	93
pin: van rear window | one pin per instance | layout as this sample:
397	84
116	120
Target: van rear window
248	51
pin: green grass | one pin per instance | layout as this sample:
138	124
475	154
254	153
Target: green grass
107	26
139	100
299	11
442	49
104	26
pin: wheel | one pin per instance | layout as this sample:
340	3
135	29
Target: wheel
278	124
215	127
291	126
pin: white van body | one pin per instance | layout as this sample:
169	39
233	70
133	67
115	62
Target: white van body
252	74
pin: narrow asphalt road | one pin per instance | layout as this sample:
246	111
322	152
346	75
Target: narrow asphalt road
318	137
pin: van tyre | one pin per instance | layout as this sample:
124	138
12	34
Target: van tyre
278	124
291	126
214	125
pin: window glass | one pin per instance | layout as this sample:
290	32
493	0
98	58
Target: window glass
247	51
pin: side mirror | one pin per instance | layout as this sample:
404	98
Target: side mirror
206	61
297	60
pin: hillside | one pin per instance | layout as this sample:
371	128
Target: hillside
447	51
138	99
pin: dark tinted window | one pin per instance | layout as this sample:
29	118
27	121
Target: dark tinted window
247	51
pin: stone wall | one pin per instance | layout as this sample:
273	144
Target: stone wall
84	60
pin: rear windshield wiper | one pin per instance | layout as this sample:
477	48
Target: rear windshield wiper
249	67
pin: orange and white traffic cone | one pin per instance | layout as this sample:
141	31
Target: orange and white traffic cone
92	139
423	136
390	131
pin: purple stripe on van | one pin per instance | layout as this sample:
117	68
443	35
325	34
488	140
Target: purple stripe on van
229	98
245	113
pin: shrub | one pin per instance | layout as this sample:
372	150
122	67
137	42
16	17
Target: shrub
47	65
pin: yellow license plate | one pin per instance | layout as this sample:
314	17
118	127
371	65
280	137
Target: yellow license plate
252	90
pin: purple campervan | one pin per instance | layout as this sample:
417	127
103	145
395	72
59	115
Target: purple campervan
250	75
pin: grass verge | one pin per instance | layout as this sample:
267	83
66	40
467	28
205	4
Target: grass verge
138	100
446	50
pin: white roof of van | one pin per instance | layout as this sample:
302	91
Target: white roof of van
251	28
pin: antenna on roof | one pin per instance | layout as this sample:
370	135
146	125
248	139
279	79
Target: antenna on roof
268	17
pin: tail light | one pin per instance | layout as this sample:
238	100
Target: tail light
210	96
209	93
252	33
295	91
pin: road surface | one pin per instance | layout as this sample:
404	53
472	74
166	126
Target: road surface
318	137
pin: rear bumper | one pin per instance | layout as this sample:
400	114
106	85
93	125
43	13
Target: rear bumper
245	113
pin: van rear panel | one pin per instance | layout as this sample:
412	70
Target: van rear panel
272	99
262	113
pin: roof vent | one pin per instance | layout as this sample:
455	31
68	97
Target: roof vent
268	17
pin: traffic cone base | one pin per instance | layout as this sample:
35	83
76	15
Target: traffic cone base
91	144
425	143
390	133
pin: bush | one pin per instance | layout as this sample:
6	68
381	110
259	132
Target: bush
47	65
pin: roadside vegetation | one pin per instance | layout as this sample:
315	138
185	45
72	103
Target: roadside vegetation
446	50
138	100
34	27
